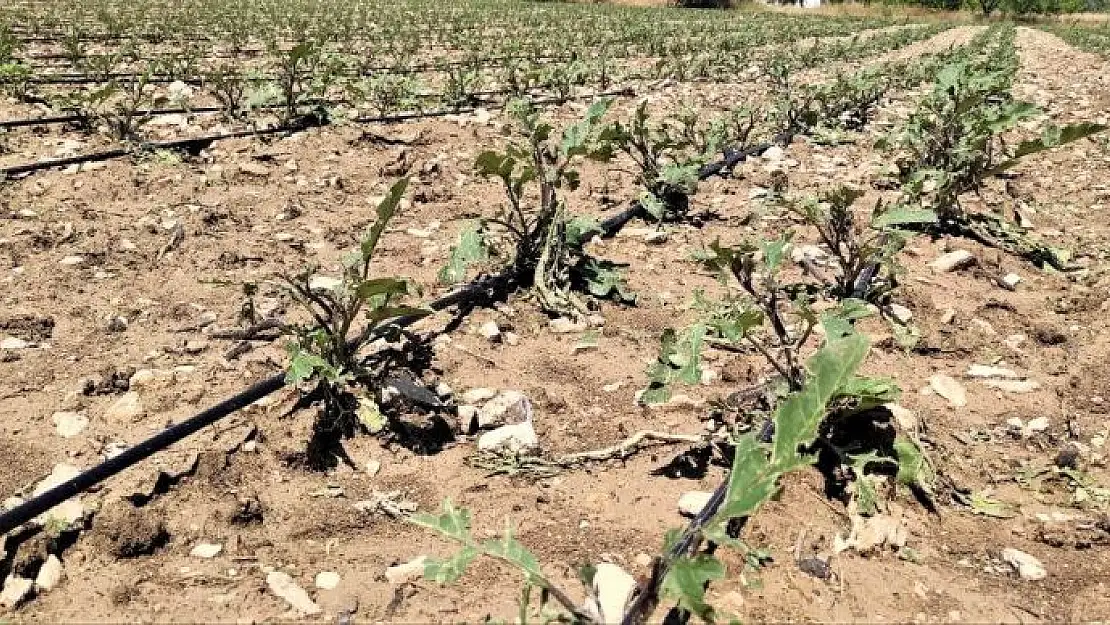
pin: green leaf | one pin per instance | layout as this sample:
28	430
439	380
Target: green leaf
904	216
451	522
654	207
1052	137
580	229
303	365
509	549
799	415
604	279
750	483
914	468
378	315
470	249
451	569
374	287
387	208
984	504
686	580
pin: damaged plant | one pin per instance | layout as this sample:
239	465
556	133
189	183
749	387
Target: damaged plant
327	354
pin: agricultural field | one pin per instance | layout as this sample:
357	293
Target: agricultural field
493	310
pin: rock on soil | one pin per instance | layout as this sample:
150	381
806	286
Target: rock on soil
1028	567
206	550
948	388
50	574
693	502
612	587
408	572
68	511
519	438
327	580
952	261
283	586
507	408
16	591
69	424
127	408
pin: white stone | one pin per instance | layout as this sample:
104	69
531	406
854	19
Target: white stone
519	438
284	587
16	591
612	587
1028	567
984	371
798	253
489	331
478	395
907	420
206	550
327	580
71	261
324	283
50	574
12	342
68	511
901	313
562	325
774	153
69	424
691	503
1039	424
144	378
508	407
948	388
952	261
656	237
407	572
1010	281
127	408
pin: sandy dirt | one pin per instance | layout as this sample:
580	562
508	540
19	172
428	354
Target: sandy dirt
250	209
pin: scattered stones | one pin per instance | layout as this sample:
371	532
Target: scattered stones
69	424
986	372
17	590
508	407
1028	567
953	261
691	503
327	580
284	587
1013	386
612	588
519	438
406	573
490	332
127	408
948	388
206	550
50	574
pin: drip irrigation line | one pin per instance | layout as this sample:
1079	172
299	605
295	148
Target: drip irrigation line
195	144
482	289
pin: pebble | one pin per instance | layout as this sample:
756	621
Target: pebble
562	325
774	153
72	261
952	261
12	342
16	591
656	237
68	511
948	388
907	420
1028	567
406	573
984	371
327	580
326	283
478	395
691	503
490	331
284	587
50	574
1010	281
127	408
206	550
612	588
519	438
508	407
69	424
1039	424
901	313
373	467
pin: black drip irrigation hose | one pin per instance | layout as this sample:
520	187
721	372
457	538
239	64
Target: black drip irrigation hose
195	144
484	288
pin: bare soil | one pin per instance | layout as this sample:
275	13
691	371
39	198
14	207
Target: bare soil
303	199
